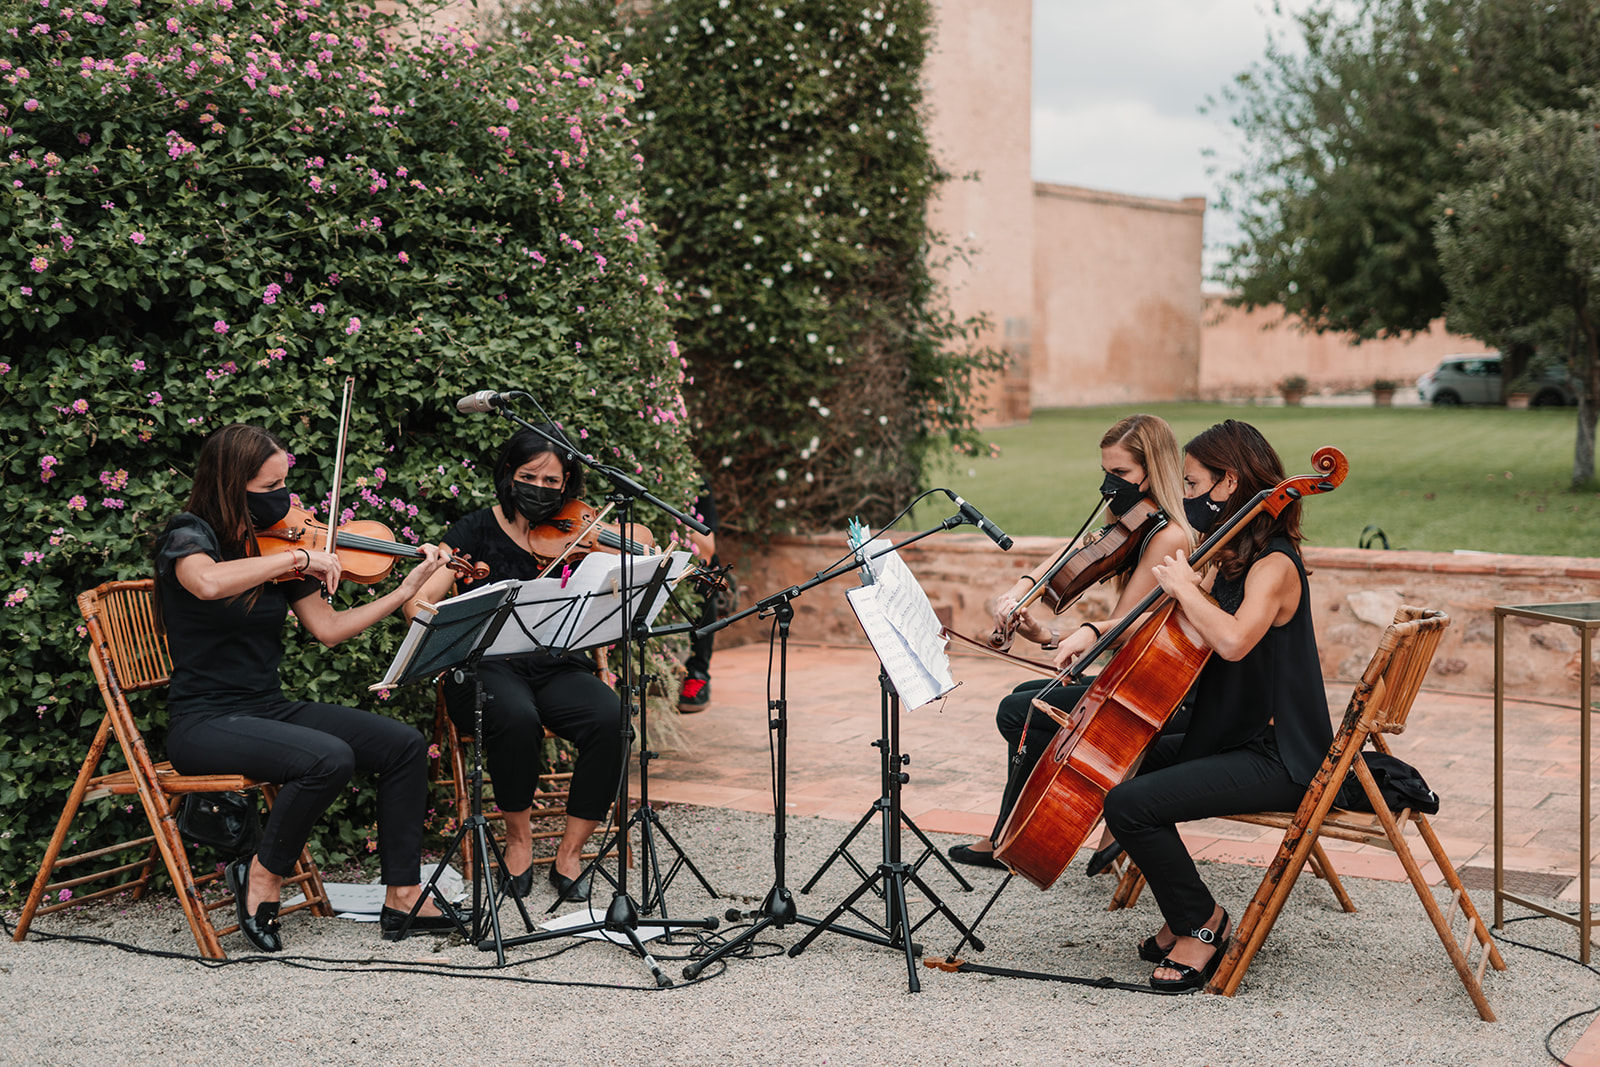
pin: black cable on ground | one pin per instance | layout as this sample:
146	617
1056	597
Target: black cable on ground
488	972
1551	1033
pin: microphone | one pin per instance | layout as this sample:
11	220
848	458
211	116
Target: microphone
976	518
483	400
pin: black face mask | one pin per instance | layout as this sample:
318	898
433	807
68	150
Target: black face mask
1121	493
267	509
536	502
1202	512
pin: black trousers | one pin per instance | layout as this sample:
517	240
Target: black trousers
1016	709
1143	813
698	665
521	699
312	751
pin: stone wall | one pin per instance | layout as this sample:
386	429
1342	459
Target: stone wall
1117	297
1246	353
1354	596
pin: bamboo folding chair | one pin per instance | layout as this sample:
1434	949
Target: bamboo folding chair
1380	705
129	654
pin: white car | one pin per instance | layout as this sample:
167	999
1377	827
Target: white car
1475	379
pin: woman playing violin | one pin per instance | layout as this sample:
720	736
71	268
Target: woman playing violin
223	605
528	693
1139	455
1259	728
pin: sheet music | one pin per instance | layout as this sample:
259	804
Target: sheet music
898	620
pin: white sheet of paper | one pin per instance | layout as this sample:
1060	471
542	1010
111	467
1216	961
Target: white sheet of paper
362	903
904	631
591	915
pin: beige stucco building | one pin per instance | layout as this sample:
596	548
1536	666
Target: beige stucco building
1097	296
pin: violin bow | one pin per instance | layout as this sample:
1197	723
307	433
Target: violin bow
338	473
1070	549
1043	667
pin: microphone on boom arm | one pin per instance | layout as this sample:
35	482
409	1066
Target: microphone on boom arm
976	518
485	400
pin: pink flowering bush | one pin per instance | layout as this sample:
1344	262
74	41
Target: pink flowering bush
186	272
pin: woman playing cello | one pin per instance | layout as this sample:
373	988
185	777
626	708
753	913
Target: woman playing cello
1139	455
1259	727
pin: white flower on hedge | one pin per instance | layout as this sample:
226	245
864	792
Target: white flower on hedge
779	503
813	403
811	338
738	364
738	224
809	479
716	309
824	412
781	474
727	461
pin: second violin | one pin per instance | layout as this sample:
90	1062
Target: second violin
577	530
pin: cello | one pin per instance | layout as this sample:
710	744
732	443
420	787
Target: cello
1104	738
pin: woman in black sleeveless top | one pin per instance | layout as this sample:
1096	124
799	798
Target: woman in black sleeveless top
1260	725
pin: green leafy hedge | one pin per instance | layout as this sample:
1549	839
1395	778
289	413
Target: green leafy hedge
215	211
790	174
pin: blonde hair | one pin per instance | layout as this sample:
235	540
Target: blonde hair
1152	444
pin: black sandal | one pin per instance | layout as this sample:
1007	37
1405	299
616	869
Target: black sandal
1188	977
1151	952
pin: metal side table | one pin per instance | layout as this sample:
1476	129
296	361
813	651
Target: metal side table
1585	618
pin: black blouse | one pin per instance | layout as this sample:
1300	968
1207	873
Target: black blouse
225	653
1278	682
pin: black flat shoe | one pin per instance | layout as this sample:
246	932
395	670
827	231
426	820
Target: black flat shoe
1101	862
1188	977
517	885
262	927
391	919
573	889
974	858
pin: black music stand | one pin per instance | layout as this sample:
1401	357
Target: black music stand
456	636
778	908
892	871
630	615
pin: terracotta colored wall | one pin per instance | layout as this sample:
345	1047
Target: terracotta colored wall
1354	595
977	81
1117	308
1245	353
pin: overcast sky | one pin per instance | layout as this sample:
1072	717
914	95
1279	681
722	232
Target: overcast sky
1118	87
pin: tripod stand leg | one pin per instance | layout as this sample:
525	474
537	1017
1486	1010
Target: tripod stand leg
683	860
842	849
942	908
971	933
933	850
900	923
844	906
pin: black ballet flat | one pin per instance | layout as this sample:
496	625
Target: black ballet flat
261	928
1101	862
573	889
974	858
390	920
1189	978
517	885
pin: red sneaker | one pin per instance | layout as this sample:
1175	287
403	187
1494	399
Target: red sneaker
695	695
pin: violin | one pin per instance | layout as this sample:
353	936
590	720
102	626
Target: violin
1102	554
576	530
366	548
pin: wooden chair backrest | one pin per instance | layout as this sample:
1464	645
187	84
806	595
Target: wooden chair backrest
123	634
1398	668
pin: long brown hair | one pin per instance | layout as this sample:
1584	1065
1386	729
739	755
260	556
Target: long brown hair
1237	446
229	459
1150	441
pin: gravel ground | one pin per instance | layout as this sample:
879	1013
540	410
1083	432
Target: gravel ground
1374	987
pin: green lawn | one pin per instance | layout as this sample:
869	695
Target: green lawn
1489	479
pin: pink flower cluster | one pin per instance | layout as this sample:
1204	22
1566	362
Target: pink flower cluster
47	468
